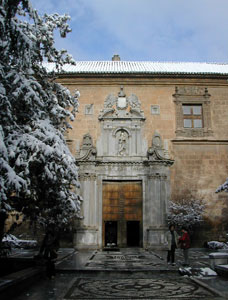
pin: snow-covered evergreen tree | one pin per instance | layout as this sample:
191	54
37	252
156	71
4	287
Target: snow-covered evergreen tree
38	175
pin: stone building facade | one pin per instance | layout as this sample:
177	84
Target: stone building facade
146	133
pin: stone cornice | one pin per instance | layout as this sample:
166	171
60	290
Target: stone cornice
85	162
142	75
158	176
105	163
199	142
166	162
158	81
87	177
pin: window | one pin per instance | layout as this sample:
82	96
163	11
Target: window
192	116
193	112
155	109
89	109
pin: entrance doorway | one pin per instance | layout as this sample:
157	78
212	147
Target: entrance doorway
133	233
110	233
122	213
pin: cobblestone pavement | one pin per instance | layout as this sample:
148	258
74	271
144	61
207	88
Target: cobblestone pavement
134	258
160	287
126	274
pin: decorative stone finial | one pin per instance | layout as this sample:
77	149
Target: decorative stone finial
121	92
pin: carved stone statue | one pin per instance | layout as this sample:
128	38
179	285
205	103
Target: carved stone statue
156	152
87	150
110	101
134	101
122	143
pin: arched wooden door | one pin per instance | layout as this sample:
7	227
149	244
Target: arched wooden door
122	213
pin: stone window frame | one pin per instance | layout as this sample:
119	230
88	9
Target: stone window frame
193	96
89	108
155	109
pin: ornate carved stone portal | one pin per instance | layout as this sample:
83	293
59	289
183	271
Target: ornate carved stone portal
121	126
122	161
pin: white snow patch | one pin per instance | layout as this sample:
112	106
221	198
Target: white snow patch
13	241
218	254
224	266
142	67
217	245
207	272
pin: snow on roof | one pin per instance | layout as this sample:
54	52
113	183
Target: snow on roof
145	67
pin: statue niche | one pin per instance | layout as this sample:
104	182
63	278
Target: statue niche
122	142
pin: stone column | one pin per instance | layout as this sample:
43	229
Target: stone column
86	232
156	209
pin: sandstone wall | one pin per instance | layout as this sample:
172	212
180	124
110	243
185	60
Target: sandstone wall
201	163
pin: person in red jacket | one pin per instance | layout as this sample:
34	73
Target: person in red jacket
184	241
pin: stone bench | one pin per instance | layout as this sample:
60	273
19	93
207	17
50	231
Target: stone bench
222	270
218	258
14	283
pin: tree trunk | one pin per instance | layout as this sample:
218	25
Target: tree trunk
3	217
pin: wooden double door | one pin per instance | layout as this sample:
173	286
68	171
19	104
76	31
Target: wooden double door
122	213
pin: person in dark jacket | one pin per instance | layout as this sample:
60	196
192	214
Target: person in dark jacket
48	249
171	242
184	241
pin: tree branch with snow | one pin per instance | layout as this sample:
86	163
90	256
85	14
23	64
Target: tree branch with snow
186	211
223	187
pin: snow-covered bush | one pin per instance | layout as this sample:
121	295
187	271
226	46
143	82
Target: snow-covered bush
38	173
186	212
223	187
217	245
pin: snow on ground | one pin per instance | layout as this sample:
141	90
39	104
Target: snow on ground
12	241
207	272
197	272
217	254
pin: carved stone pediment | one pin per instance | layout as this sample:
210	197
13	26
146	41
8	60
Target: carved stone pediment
191	91
122	107
122	122
87	150
157	152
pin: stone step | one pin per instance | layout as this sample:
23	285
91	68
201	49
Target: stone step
218	258
14	283
222	270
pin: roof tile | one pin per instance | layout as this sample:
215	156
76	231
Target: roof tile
145	67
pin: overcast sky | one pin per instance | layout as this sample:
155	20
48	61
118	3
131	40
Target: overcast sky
156	30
